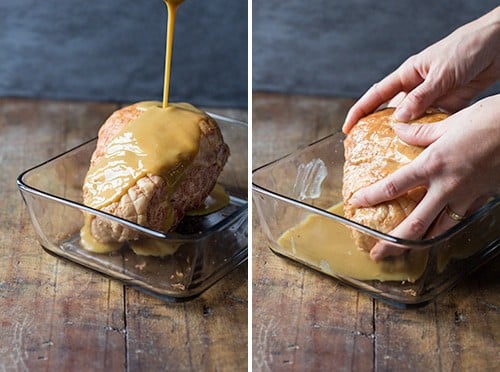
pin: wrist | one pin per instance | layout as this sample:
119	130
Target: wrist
487	31
490	22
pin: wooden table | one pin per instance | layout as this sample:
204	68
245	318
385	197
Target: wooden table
57	316
304	320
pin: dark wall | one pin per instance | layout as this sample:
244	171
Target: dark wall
333	47
113	50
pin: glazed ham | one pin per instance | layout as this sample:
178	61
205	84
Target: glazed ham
145	203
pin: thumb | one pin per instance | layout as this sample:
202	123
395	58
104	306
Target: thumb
419	134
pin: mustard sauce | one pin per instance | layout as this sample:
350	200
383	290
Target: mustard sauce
327	245
153	247
172	6
92	244
217	200
160	141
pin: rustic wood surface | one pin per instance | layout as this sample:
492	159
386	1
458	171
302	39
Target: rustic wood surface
58	316
303	320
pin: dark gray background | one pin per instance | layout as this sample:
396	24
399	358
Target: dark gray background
340	48
113	50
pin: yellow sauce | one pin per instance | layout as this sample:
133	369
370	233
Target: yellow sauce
153	247
141	247
90	243
160	141
217	200
328	246
172	6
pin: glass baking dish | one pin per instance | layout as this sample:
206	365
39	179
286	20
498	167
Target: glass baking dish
206	248
298	203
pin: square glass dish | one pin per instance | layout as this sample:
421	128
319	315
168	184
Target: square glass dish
205	248
298	201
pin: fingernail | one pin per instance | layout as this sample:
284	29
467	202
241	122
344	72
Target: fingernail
346	124
402	114
355	201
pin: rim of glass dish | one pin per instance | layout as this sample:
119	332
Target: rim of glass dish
227	221
404	243
232	121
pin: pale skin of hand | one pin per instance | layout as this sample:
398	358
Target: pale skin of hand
460	168
448	74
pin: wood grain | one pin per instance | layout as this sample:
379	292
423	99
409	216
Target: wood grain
304	320
58	316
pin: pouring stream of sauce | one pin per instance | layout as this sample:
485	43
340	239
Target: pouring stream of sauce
163	140
172	6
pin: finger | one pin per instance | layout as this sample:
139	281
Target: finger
378	94
460	97
398	98
390	187
419	134
446	219
412	227
384	249
418	100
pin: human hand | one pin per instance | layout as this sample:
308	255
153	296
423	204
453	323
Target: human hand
460	168
448	74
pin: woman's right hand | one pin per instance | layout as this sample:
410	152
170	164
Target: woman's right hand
448	74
